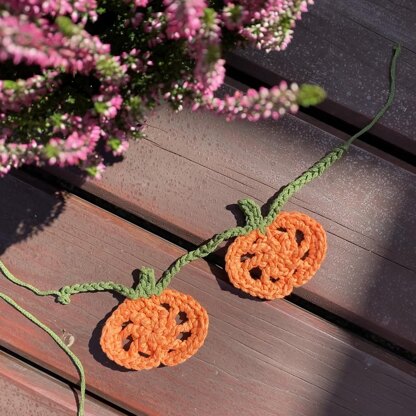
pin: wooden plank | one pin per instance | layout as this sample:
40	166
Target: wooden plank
188	175
26	391
259	357
345	47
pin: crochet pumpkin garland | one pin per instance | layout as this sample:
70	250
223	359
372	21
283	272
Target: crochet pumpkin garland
269	257
164	329
269	263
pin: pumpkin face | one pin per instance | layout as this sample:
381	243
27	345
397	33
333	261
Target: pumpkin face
286	256
165	329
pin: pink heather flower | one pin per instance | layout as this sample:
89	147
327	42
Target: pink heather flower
98	171
209	76
15	95
39	8
234	16
113	106
264	28
183	17
22	40
140	3
209	69
155	26
108	107
136	20
94	91
13	155
256	105
76	147
43	45
117	141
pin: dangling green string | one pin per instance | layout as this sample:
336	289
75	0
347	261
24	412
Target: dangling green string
327	161
148	285
56	338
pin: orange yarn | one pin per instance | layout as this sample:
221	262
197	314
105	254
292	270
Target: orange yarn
270	265
144	333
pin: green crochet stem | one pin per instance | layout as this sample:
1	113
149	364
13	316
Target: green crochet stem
148	286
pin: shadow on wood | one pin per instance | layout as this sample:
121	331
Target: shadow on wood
94	342
373	288
24	214
97	352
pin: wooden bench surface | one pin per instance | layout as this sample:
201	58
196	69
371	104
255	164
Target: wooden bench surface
193	168
259	357
345	46
26	391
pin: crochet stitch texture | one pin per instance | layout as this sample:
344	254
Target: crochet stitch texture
143	333
269	265
163	326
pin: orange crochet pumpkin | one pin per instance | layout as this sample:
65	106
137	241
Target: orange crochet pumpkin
162	329
268	264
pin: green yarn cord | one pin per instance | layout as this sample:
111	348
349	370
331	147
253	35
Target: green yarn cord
148	286
58	340
327	161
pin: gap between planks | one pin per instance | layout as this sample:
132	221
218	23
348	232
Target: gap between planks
315	116
293	361
218	260
350	60
27	390
365	203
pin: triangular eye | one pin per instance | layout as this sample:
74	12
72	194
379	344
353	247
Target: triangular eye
288	255
246	256
183	336
256	273
299	236
127	342
305	256
181	318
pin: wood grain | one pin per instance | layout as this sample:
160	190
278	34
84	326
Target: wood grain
26	391
259	358
345	46
193	168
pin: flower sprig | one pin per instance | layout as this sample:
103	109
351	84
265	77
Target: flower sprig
79	76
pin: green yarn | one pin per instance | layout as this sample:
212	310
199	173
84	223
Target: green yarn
393	78
199	253
21	283
313	172
148	286
58	340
